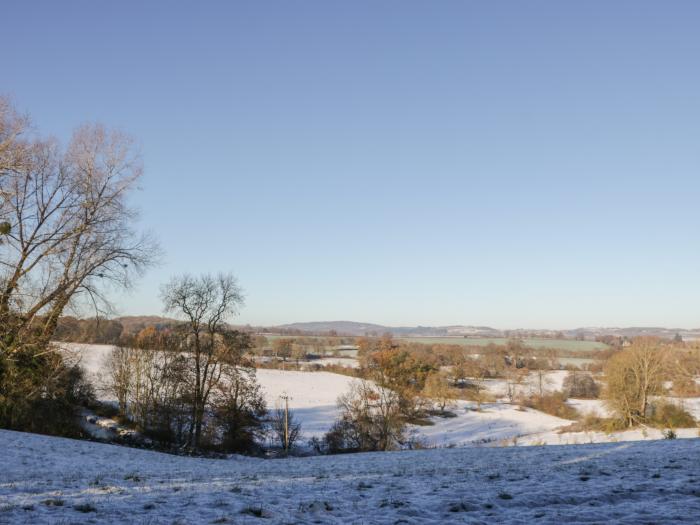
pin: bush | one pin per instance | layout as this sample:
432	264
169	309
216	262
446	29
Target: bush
41	393
553	404
579	385
591	422
669	434
669	415
370	420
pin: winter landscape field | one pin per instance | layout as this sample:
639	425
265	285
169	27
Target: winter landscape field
313	400
367	262
58	480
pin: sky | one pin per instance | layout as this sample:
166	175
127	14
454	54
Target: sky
512	164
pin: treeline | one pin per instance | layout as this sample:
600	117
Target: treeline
98	330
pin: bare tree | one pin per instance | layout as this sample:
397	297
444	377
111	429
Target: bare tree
370	420
66	233
633	376
439	391
205	303
67	229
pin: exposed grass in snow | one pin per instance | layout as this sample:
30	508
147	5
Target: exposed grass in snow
54	480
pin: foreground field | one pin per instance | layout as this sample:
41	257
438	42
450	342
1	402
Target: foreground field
51	480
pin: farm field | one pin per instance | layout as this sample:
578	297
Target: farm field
556	344
56	480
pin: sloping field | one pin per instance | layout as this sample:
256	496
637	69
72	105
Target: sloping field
54	480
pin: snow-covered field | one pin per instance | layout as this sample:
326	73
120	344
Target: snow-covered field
313	398
54	480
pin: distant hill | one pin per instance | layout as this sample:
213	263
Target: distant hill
352	328
359	329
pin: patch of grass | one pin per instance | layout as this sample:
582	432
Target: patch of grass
54	502
258	511
461	507
133	477
85	507
593	423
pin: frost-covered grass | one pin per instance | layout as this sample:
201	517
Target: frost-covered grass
54	480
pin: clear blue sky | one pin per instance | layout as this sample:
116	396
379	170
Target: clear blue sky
515	164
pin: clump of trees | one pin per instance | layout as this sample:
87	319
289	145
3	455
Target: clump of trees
94	331
371	420
580	385
438	391
198	390
635	389
633	377
66	233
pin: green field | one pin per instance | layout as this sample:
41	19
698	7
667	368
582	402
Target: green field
557	344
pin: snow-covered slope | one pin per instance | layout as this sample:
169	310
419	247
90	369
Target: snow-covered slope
53	480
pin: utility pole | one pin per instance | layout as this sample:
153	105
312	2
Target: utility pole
286	421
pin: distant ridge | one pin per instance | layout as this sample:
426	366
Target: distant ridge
358	329
352	328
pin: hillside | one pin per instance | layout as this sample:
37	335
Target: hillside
353	328
52	480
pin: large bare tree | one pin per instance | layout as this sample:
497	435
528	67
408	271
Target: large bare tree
66	227
205	303
633	377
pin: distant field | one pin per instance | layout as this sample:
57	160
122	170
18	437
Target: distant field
558	344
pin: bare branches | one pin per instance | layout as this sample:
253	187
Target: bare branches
206	302
68	221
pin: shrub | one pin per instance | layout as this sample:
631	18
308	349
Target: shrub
41	393
669	434
670	415
370	420
592	422
553	404
580	385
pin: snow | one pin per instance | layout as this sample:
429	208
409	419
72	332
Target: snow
55	480
497	422
589	406
551	382
312	395
313	398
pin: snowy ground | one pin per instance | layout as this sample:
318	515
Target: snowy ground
54	480
313	398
